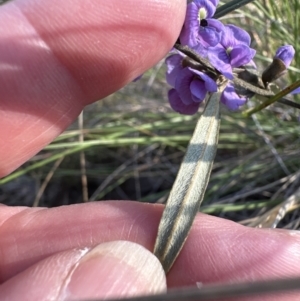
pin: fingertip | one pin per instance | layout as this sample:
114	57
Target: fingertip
59	56
229	252
113	40
109	270
115	269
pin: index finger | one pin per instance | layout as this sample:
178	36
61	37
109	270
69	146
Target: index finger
58	56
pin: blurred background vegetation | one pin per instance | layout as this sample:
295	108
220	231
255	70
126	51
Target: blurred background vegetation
130	145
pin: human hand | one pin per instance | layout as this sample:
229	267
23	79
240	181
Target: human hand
44	253
58	56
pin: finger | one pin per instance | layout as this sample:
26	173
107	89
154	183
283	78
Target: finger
231	253
28	235
58	56
216	249
109	270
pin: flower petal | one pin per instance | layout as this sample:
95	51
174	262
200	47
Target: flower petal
190	28
220	60
210	84
202	50
234	35
214	2
174	67
173	61
286	54
182	85
208	36
178	106
216	24
241	55
172	76
209	7
231	99
198	90
296	91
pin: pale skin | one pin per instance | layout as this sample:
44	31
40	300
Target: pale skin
55	58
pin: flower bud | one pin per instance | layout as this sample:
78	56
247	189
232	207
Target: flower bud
285	54
276	69
282	60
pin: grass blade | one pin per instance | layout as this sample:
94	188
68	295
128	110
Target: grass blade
229	7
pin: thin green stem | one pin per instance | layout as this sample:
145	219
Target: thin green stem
273	99
229	7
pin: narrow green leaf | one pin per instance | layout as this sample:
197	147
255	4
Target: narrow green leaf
190	185
229	7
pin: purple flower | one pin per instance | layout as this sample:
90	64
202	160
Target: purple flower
190	86
232	51
200	31
231	99
296	91
281	61
174	66
178	106
285	54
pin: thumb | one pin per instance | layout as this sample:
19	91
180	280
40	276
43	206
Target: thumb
109	270
116	269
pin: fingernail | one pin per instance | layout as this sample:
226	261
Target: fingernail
115	269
